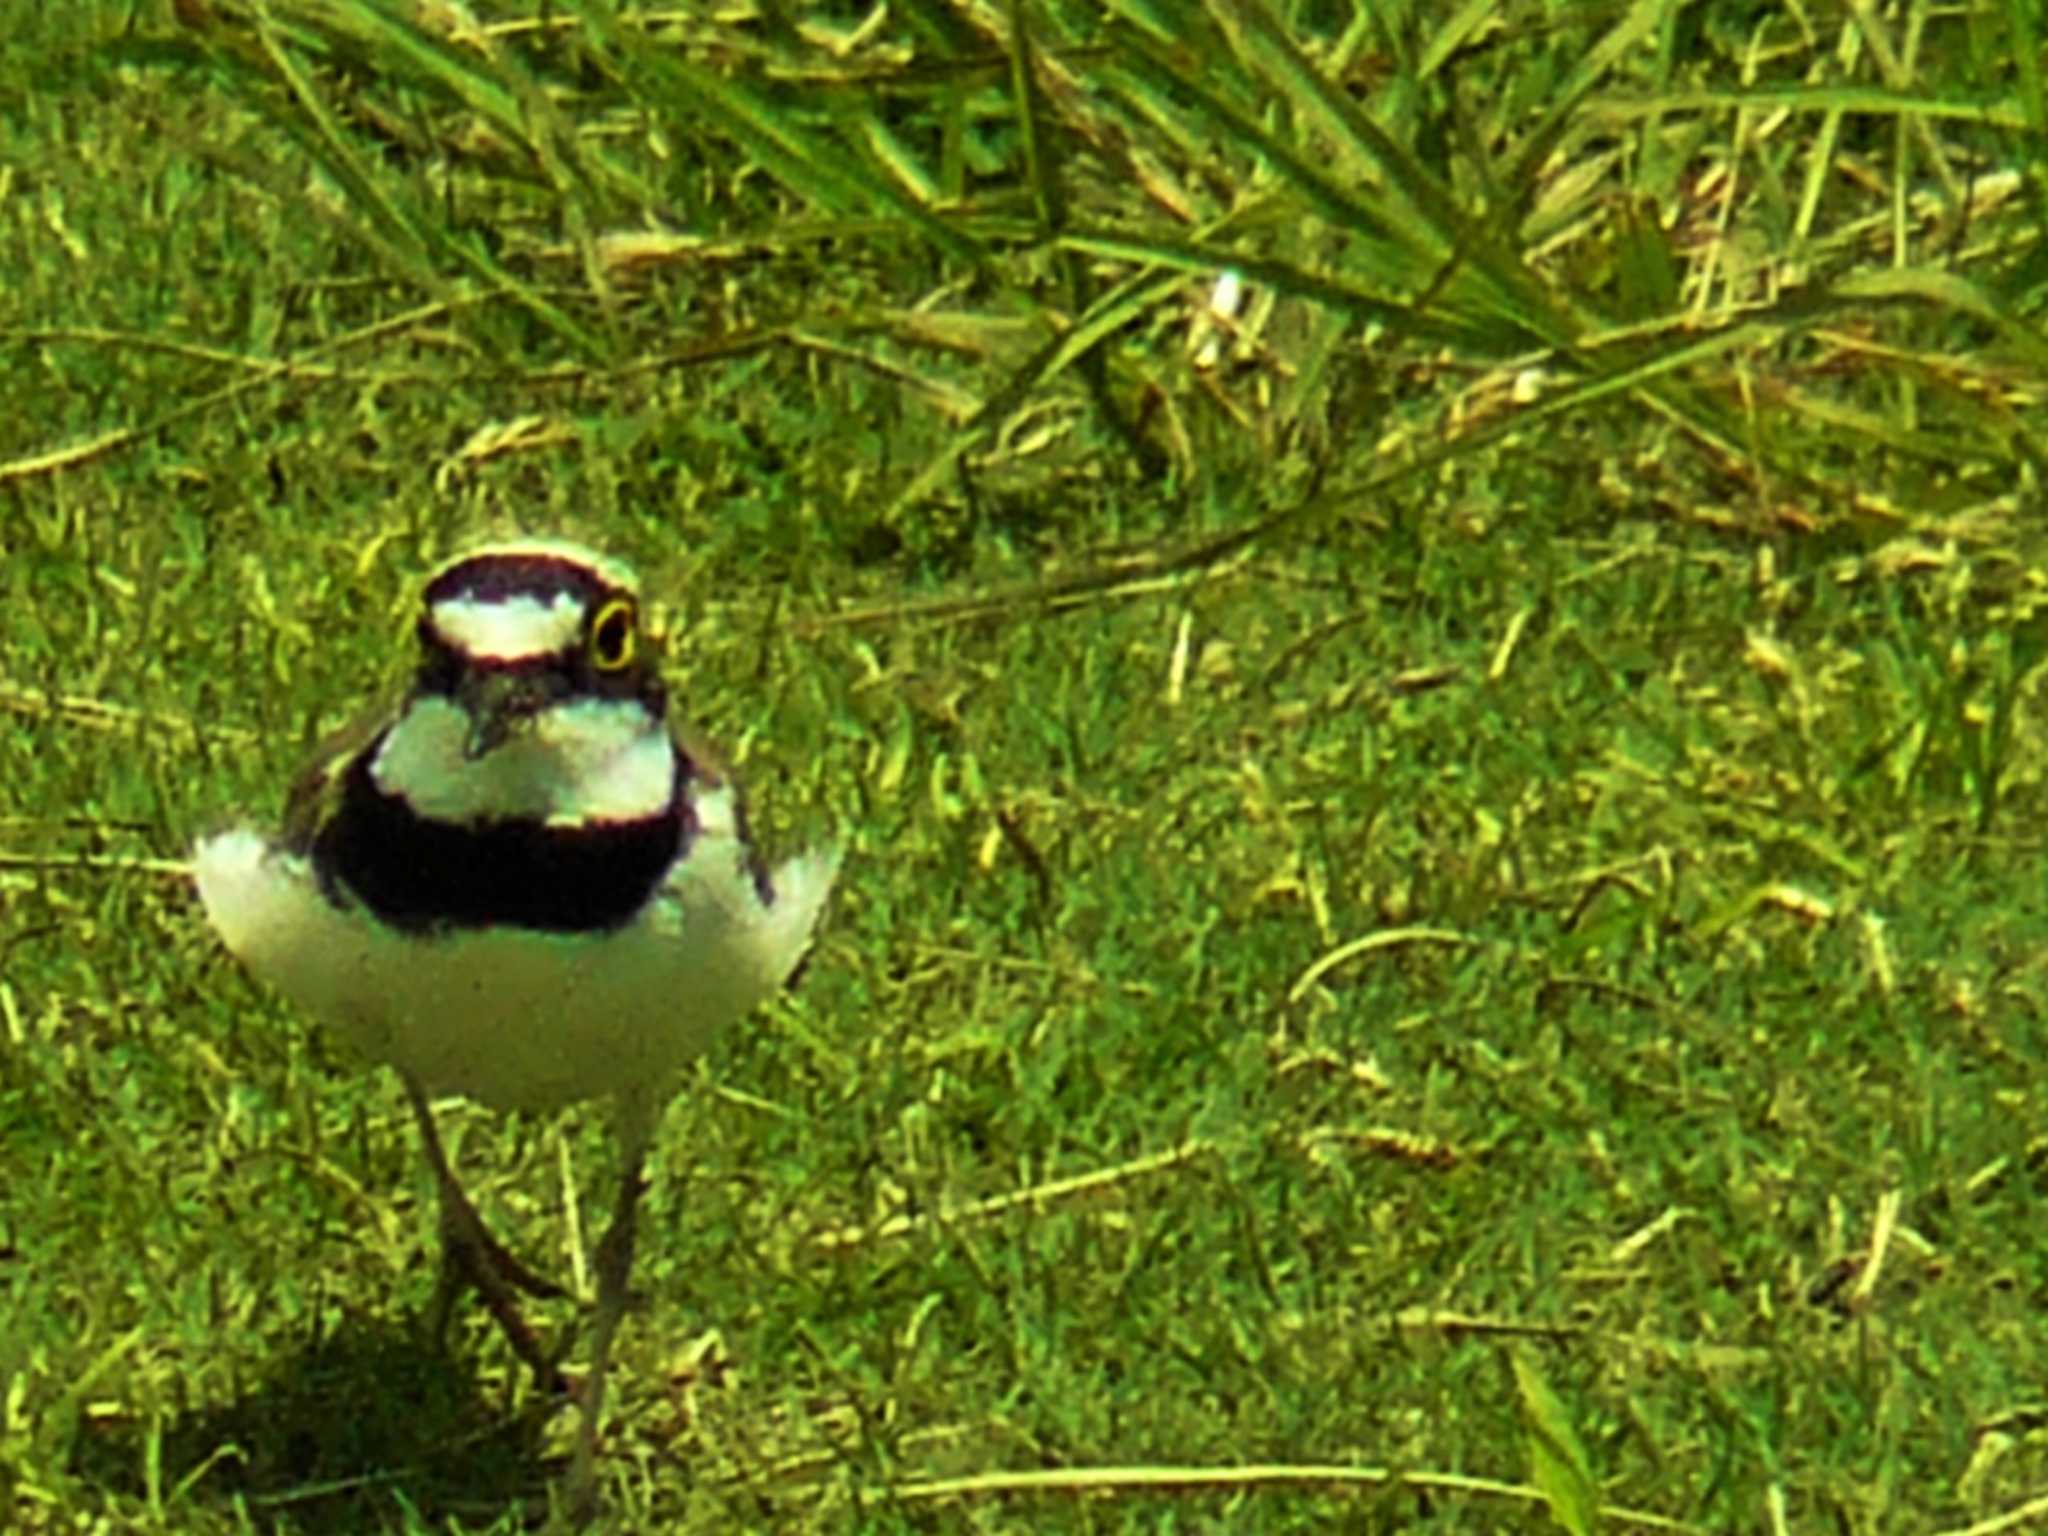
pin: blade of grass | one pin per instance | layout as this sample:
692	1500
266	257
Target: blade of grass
404	237
817	168
1119	307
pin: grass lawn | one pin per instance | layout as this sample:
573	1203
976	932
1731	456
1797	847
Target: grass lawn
1426	626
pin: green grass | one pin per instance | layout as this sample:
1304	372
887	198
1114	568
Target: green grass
1417	895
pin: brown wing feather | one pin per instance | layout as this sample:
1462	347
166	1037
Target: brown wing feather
709	769
312	794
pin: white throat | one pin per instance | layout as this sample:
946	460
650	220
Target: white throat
591	760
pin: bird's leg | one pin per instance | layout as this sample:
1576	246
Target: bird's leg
472	1257
635	1121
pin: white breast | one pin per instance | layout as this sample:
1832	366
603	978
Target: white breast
515	1018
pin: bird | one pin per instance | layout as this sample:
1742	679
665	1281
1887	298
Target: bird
522	882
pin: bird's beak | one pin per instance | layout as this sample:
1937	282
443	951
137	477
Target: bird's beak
498	704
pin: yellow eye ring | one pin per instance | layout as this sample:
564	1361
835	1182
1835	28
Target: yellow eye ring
613	636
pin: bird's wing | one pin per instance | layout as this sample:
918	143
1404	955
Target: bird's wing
314	792
708	773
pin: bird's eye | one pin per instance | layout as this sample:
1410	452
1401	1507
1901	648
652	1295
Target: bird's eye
612	635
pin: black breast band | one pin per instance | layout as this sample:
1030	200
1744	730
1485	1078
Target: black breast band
422	875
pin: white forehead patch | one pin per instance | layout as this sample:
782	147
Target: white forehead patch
509	629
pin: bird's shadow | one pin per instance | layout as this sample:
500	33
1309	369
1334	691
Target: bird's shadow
344	1434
